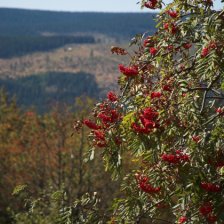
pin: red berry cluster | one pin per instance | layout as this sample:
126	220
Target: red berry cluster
153	51
108	115
156	95
149	121
211	218
111	96
100	138
167	88
170	27
151	4
91	124
176	158
129	71
206	50
145	186
219	110
172	13
149	44
206	211
210	187
98	134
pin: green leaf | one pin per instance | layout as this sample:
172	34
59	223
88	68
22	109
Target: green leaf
18	189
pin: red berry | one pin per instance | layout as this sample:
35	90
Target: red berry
151	4
210	187
167	88
205	52
90	124
174	29
153	51
219	110
182	219
145	186
173	14
170	47
111	96
99	135
166	26
205	209
211	218
187	45
175	158
156	95
128	71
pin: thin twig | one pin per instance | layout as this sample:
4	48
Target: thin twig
203	101
213	118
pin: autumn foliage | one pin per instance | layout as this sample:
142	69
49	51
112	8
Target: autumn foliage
42	159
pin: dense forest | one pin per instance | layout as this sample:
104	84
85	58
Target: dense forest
44	91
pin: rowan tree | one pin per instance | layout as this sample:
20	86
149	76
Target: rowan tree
168	118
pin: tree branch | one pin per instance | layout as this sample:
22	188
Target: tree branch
213	118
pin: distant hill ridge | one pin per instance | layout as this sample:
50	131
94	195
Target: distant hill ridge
35	22
54	57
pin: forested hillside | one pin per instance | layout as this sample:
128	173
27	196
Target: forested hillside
19	22
63	47
46	91
27	31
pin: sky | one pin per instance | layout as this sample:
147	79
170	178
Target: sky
82	5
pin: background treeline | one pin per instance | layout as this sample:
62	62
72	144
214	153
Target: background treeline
43	153
44	91
11	46
19	22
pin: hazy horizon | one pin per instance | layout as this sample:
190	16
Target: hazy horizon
67	11
80	6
